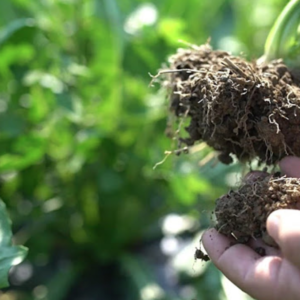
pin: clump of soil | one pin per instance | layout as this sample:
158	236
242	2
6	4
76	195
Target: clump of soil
243	213
199	254
237	107
247	109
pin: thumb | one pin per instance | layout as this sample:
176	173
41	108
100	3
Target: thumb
290	166
284	227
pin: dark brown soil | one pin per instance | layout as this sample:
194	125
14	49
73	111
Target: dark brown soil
199	254
237	107
243	213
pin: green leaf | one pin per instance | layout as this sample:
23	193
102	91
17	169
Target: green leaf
27	150
9	255
283	39
23	27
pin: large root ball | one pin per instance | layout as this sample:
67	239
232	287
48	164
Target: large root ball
237	107
243	213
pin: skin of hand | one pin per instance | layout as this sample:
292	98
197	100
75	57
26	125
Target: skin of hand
275	276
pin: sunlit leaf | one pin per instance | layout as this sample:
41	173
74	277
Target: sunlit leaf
9	255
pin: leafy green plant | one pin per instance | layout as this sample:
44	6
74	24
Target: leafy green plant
81	130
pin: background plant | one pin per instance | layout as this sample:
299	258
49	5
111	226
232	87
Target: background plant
81	130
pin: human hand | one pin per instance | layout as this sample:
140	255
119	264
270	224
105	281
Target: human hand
274	276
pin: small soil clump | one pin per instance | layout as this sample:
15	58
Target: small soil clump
237	107
199	254
243	213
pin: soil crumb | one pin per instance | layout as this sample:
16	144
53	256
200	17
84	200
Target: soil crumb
247	109
199	254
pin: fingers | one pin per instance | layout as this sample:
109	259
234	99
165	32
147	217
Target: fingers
284	226
242	265
261	277
221	250
290	166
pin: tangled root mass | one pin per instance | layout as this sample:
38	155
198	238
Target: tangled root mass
237	107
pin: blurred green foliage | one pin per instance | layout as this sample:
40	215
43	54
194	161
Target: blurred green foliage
10	255
80	132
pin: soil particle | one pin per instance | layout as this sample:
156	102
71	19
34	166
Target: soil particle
199	254
261	251
239	108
